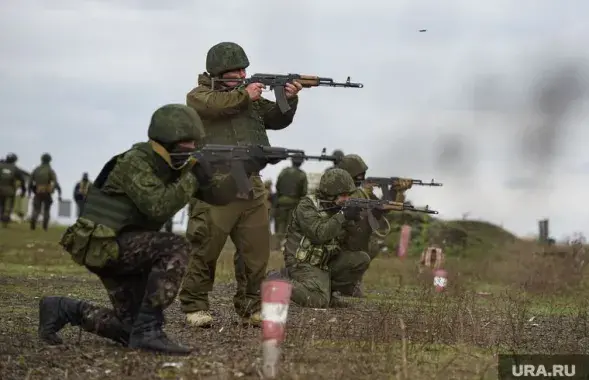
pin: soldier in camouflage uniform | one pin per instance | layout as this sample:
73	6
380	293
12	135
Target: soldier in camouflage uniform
359	234
118	236
315	262
233	114
43	183
291	186
10	177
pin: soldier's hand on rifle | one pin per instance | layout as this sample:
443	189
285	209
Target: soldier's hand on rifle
378	212
291	90
203	171
352	213
254	90
254	165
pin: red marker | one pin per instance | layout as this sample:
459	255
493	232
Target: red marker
275	301
404	241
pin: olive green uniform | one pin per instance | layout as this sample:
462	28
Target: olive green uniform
230	117
291	186
10	178
118	237
315	261
42	184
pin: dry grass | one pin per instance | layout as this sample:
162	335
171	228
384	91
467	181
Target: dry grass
515	299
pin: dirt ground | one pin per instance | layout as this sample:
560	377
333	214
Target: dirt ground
403	330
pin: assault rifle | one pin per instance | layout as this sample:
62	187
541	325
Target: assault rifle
390	186
238	155
277	82
381	204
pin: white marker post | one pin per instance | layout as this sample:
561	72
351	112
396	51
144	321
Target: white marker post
275	301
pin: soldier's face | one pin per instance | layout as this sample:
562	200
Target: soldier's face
186	145
235	74
341	199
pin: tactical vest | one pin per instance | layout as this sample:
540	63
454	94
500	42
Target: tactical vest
298	248
7	179
44	179
245	128
290	183
84	186
117	211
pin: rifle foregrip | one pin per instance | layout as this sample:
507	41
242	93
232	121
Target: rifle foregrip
308	80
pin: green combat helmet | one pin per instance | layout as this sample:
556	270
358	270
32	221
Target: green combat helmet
11	158
335	182
46	158
338	154
174	123
226	56
353	164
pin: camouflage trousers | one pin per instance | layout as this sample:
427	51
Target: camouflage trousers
148	273
312	286
6	207
41	204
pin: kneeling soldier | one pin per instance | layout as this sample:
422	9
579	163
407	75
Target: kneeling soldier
118	238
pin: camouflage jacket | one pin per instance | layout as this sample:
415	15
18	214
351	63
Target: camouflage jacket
312	236
358	232
232	118
136	190
291	186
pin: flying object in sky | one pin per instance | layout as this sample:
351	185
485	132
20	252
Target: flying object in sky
422	30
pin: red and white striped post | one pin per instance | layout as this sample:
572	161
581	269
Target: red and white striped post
275	302
440	279
404	241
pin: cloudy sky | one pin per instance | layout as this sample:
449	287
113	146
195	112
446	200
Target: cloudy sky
492	100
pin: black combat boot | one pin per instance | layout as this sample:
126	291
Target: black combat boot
45	224
147	333
33	224
335	302
56	312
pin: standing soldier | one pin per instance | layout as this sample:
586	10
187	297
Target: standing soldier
271	199
118	236
43	183
10	179
80	192
233	114
291	186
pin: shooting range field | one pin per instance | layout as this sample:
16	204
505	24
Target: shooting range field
516	297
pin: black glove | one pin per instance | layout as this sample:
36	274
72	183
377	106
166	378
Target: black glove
352	213
254	165
378	212
203	172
